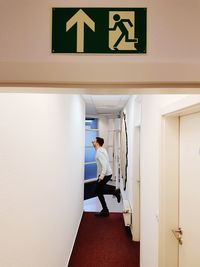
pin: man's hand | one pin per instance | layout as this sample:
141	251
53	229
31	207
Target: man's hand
100	178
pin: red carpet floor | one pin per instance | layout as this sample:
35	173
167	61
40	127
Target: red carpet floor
104	242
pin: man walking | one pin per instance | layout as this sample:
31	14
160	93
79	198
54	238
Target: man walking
104	174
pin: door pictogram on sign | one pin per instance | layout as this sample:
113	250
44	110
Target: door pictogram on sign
122	31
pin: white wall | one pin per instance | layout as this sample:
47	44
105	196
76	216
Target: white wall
129	111
105	124
41	178
103	129
132	192
149	169
173	42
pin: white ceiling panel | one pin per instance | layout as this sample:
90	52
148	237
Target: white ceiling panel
104	104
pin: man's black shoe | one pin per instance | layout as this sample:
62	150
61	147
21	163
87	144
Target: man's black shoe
118	195
103	213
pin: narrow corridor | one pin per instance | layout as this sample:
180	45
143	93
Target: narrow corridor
104	242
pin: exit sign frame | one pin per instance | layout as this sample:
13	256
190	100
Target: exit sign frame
99	30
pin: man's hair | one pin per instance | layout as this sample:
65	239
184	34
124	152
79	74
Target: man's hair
100	141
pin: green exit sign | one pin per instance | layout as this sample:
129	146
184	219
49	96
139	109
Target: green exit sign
99	30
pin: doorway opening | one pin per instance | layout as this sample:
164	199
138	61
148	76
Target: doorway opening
118	122
105	111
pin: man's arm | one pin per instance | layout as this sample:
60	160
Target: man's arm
129	22
114	28
103	162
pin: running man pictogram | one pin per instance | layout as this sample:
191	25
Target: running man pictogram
123	31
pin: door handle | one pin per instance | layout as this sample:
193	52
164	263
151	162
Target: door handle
178	235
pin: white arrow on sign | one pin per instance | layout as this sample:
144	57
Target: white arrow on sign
80	18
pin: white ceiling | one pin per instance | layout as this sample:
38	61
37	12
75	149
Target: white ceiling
104	104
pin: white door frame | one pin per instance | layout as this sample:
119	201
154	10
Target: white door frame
169	173
135	227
